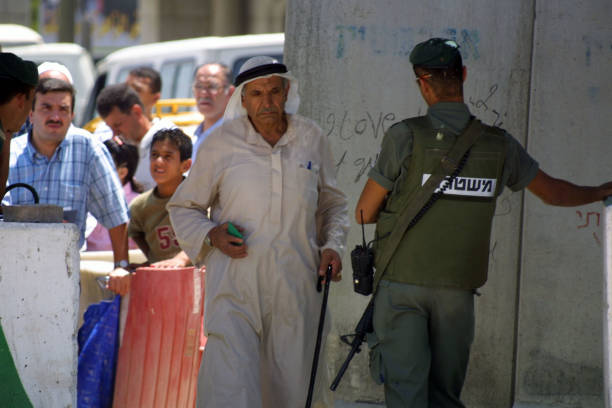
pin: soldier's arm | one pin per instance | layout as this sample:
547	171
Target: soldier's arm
370	202
560	192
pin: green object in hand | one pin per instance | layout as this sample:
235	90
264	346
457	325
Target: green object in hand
233	231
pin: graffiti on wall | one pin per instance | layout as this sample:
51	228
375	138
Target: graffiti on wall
349	127
399	41
367	41
589	222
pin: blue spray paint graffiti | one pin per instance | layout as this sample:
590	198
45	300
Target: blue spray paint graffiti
399	41
595	47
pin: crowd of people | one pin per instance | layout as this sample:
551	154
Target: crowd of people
255	164
73	168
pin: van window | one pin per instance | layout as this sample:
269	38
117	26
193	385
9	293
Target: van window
184	79
176	78
239	61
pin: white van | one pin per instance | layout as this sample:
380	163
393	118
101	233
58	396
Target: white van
177	60
74	57
14	34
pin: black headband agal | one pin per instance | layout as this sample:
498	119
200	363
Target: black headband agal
262	70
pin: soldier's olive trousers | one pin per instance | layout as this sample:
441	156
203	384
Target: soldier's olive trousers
421	344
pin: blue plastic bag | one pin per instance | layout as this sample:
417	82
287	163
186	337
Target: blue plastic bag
98	349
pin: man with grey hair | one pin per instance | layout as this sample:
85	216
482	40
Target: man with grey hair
212	89
271	173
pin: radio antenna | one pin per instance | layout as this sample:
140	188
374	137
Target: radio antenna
363	229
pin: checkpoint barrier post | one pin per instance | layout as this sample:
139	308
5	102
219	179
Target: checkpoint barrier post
160	354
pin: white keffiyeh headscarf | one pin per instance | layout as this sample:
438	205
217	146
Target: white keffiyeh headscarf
256	68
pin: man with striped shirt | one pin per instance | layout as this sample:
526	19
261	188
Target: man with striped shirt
67	167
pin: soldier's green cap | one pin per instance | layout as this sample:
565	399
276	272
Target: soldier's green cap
436	53
13	67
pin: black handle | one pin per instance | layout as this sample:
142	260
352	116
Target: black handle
24	185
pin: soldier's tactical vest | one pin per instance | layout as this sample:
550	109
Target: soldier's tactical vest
449	246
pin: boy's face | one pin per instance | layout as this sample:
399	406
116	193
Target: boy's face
166	164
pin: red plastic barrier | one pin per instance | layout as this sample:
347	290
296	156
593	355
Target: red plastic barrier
160	354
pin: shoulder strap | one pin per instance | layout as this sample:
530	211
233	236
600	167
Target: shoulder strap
451	163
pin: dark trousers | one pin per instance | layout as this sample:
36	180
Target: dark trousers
421	344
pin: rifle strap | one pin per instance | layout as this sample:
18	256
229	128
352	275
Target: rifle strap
450	165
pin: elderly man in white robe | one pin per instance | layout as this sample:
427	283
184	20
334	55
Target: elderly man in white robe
270	173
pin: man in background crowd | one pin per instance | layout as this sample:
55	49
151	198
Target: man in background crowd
123	111
147	83
212	89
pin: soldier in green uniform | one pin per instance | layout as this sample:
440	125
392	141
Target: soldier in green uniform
423	307
18	78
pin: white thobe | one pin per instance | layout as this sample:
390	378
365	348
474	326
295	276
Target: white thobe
262	311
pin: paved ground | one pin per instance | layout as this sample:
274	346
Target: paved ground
344	404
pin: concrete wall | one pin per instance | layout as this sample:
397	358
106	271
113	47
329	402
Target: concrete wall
39	289
538	69
560	328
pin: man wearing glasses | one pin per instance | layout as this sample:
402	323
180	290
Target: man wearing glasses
212	90
424	304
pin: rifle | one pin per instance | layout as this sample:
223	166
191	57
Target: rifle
363	327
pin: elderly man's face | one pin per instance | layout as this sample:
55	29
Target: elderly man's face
264	100
211	91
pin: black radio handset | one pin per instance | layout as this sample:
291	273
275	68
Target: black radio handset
362	261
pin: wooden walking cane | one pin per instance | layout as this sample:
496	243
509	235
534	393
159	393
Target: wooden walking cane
315	360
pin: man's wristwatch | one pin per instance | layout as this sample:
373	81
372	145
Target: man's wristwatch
122	264
207	240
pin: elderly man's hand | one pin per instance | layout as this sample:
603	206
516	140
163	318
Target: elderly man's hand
330	257
228	244
119	281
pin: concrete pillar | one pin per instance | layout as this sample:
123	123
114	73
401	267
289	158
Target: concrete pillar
229	17
539	71
356	81
149	11
192	18
266	16
66	12
39	303
560	346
